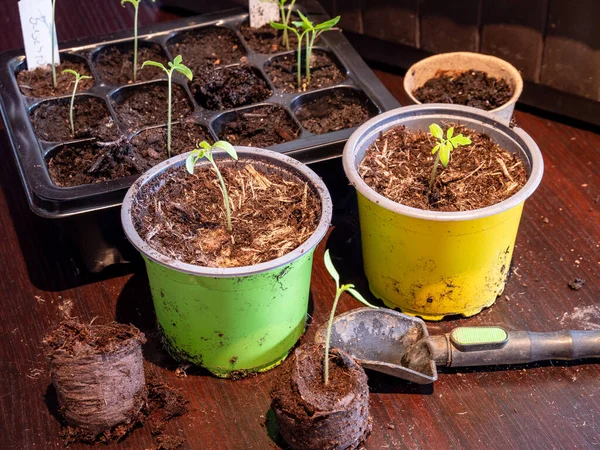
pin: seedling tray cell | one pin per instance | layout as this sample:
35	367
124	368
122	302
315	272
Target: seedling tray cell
41	156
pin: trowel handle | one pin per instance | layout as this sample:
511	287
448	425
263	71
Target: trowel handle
482	346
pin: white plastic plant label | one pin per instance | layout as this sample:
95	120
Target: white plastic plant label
36	21
262	12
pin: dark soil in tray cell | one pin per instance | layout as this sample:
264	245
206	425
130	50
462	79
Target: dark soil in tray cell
143	106
273	212
312	415
90	162
214	46
471	88
38	82
324	72
266	39
150	145
399	163
332	112
229	87
90	117
260	127
114	64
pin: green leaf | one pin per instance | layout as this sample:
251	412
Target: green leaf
359	297
328	24
224	145
298	24
154	64
445	154
435	149
184	70
72	72
135	3
205	145
84	77
331	268
436	131
449	132
306	24
459	139
177	60
279	26
190	162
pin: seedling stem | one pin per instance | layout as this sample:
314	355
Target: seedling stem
53	37
77	78
206	151
176	65
136	7
338	292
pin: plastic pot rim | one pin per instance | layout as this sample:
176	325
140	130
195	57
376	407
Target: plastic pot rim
366	133
512	70
218	272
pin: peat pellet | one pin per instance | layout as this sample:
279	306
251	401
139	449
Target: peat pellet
312	415
98	374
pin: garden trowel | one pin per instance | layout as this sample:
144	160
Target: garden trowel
397	344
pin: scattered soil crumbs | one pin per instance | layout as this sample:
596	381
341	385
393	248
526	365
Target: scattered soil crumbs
470	88
576	284
313	415
211	46
150	146
332	113
261	127
90	117
89	162
182	215
147	105
324	72
38	82
229	87
266	39
114	64
398	166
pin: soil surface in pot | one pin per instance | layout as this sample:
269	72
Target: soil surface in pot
147	105
266	39
261	127
399	163
156	402
150	145
324	72
208	47
89	162
332	113
229	87
182	216
38	82
312	415
470	88
115	64
90	117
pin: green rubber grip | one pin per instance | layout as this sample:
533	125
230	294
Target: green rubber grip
476	338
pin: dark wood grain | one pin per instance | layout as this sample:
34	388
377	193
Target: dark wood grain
547	405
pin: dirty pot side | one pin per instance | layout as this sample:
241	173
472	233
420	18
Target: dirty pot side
433	264
457	62
232	321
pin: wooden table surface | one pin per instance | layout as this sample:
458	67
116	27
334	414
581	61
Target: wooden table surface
542	406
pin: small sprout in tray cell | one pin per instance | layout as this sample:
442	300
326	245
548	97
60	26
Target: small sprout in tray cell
339	290
206	151
136	7
176	65
53	34
285	20
444	147
77	78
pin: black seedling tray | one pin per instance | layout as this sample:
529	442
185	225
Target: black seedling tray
48	200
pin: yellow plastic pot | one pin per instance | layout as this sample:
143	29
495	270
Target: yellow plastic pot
433	264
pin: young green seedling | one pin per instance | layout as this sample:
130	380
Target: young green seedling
176	65
78	77
311	32
52	34
338	292
136	7
444	147
206	151
285	20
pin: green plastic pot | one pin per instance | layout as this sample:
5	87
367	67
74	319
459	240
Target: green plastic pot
232	321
